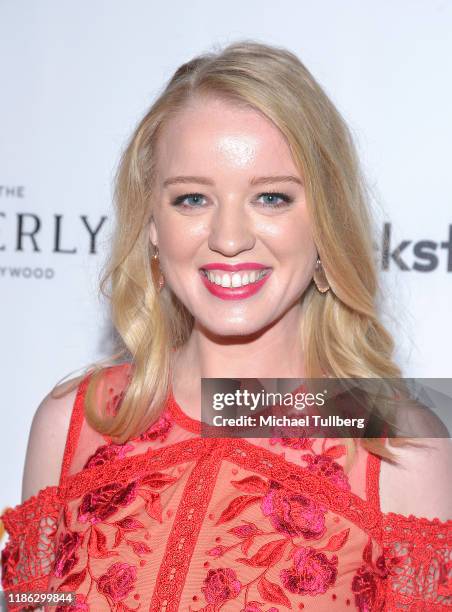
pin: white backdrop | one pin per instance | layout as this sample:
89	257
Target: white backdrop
75	79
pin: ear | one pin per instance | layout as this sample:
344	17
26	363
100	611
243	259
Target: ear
153	232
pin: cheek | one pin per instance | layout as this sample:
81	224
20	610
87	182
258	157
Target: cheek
178	245
181	235
293	240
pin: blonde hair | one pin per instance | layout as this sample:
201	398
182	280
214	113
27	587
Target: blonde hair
341	334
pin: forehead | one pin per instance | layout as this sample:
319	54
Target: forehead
212	134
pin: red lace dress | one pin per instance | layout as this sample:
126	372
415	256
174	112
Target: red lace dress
172	521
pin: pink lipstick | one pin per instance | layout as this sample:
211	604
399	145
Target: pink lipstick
234	293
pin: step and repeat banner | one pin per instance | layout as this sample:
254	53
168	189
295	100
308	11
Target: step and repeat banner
75	79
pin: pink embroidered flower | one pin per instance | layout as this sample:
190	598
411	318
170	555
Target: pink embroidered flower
296	443
221	585
322	464
118	581
293	513
160	430
312	572
106	453
255	606
365	589
364	583
65	556
79	605
105	501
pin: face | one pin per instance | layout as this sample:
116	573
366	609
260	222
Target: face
214	209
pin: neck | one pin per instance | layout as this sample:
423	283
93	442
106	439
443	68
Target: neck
274	352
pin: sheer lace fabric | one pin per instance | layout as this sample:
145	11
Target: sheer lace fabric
173	521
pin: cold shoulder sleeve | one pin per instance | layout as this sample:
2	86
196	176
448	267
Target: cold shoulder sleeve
418	553
416	563
29	553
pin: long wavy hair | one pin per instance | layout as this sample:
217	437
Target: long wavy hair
342	335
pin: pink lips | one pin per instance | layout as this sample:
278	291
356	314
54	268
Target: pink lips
234	293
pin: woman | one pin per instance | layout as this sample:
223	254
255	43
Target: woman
243	248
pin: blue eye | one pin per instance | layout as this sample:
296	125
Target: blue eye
273	196
197	198
181	199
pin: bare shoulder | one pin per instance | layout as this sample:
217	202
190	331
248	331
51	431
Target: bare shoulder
47	438
419	484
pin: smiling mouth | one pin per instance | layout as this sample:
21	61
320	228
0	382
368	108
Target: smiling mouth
235	279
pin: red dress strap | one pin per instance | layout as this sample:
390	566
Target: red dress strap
373	481
75	425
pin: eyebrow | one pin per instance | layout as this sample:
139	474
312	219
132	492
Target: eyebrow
262	180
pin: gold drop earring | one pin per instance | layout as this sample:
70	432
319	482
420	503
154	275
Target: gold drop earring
157	276
320	279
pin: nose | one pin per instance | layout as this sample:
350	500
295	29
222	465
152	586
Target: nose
231	231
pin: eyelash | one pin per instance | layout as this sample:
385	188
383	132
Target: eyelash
283	196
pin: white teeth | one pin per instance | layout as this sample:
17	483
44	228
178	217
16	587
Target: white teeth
237	279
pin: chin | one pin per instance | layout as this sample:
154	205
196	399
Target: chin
232	328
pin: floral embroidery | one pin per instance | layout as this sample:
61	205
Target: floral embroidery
325	465
364	583
221	584
159	430
97	506
296	443
365	588
293	514
312	572
255	606
105	501
284	544
110	451
65	557
106	453
118	581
